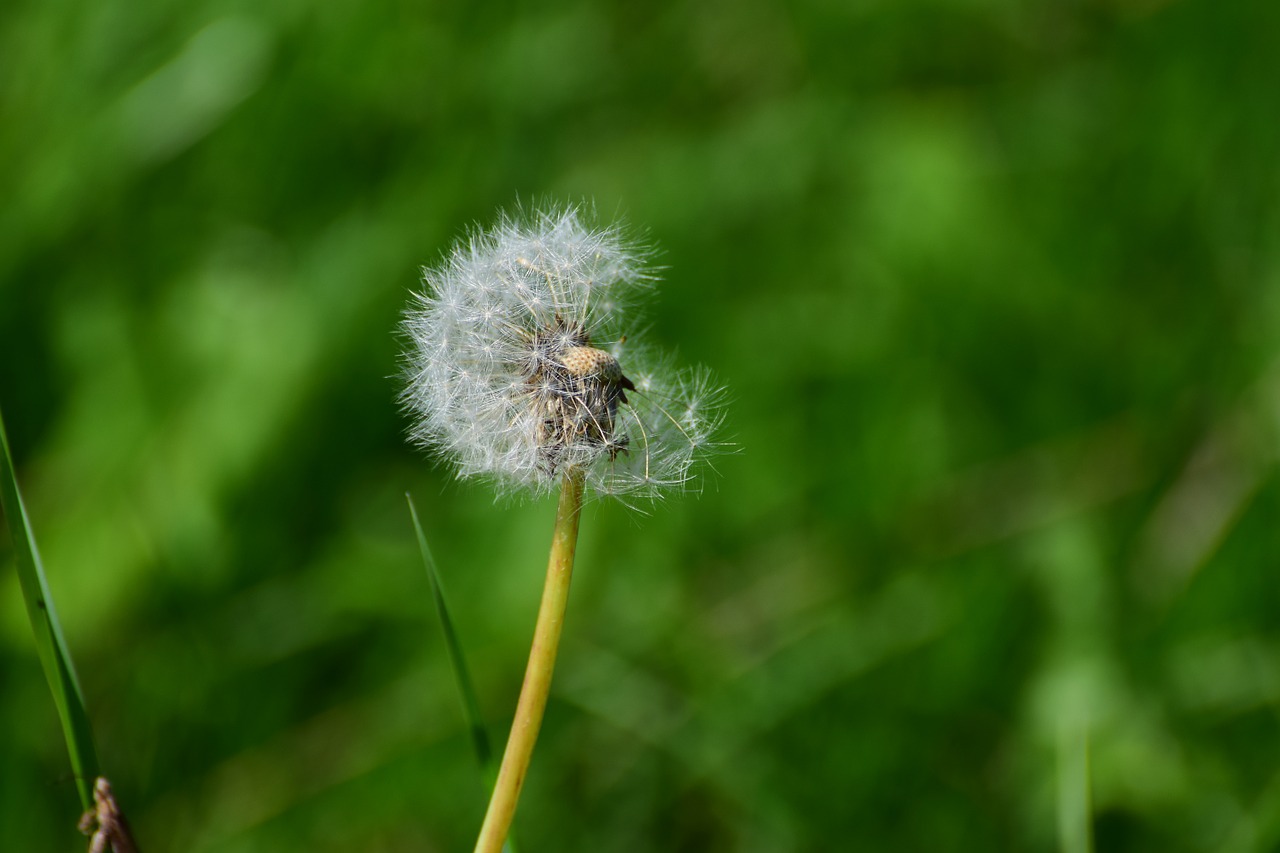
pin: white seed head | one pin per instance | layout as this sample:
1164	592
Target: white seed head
518	370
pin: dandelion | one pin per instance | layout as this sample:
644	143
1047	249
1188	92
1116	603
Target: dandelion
522	369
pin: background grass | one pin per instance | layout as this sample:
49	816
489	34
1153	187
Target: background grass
996	287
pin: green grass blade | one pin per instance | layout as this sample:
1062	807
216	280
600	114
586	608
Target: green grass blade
461	674
470	704
1075	810
51	645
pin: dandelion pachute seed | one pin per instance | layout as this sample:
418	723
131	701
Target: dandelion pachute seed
519	365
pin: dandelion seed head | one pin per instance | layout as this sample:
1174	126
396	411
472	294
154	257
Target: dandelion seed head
519	367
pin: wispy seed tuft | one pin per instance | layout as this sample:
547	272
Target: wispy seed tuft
521	364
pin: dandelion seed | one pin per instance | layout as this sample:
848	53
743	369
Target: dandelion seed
519	367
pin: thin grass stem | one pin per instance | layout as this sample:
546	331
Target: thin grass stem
1075	818
51	645
457	660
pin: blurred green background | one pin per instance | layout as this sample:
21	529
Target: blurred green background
996	290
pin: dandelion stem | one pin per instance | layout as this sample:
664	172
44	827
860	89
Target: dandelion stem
537	676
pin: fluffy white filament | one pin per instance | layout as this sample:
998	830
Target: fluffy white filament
504	377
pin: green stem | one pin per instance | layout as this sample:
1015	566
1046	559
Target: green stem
537	676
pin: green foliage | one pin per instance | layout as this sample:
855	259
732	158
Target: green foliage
996	290
51	645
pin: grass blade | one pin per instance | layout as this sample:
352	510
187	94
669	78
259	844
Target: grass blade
461	674
470	705
51	645
1075	818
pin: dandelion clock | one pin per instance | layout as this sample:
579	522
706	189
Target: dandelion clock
524	368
